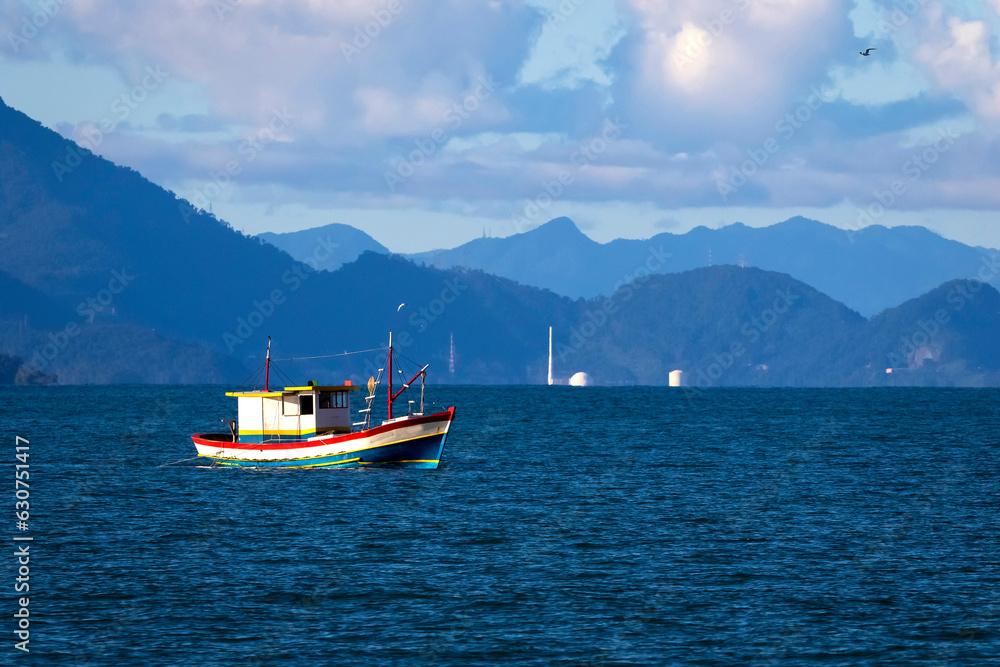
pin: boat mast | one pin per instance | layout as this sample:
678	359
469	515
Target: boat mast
406	385
420	374
390	377
267	364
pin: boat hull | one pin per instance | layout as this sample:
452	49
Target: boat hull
409	442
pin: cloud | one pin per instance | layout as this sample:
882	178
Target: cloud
957	55
701	86
723	66
437	104
950	43
330	61
194	123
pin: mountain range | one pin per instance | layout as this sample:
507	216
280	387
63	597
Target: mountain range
107	277
869	270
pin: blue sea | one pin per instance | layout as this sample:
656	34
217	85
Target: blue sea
566	526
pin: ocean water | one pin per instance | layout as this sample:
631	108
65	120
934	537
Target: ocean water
598	526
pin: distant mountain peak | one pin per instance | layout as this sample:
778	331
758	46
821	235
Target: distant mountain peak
802	222
328	247
561	227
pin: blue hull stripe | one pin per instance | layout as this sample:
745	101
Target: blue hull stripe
418	453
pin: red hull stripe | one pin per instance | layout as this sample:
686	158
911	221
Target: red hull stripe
445	416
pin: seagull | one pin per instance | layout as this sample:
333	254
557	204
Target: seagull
867	52
400	306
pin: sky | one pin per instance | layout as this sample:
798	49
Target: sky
427	124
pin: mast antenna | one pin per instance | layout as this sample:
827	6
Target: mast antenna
389	367
267	364
451	355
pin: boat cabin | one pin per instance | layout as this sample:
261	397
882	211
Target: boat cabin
294	413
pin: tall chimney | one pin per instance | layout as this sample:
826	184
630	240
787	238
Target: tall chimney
550	355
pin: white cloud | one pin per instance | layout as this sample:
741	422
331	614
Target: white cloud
334	62
957	55
524	141
438	104
950	43
926	135
721	56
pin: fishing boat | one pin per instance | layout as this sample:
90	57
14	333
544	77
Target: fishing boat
310	426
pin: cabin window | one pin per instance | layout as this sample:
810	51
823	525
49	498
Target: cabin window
332	399
306	405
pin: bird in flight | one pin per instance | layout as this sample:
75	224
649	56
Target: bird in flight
868	51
